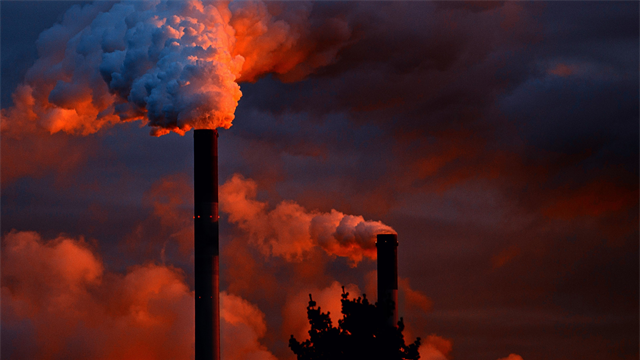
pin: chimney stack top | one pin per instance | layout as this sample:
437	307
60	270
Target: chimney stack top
390	239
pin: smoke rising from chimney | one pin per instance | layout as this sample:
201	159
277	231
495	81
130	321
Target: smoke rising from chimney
173	64
61	287
289	230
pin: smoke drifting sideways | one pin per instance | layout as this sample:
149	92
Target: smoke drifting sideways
289	230
58	293
174	64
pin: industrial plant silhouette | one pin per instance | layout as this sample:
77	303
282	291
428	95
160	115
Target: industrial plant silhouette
366	331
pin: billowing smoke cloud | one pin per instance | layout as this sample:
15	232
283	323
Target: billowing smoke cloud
78	310
435	347
174	64
170	221
289	230
242	325
59	295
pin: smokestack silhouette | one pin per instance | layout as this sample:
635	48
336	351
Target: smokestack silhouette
205	146
387	246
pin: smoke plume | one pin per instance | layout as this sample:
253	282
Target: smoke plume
289	230
173	64
59	294
435	347
242	325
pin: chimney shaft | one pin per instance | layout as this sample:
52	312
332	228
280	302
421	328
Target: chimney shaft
387	246
206	244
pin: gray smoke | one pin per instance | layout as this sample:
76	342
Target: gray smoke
173	64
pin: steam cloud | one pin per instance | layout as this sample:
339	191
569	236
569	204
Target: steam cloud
77	310
174	64
289	230
435	348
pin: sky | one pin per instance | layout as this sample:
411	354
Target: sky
498	139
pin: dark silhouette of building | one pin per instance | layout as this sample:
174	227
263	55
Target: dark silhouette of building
366	331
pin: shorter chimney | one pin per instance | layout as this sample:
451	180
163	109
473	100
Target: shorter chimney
387	245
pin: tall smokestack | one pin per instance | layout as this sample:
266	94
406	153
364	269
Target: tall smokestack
205	146
387	245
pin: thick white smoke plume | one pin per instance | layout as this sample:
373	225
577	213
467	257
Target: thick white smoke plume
289	230
174	64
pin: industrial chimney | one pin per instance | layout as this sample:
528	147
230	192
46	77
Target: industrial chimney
205	146
387	245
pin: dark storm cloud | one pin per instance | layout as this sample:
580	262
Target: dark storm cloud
497	84
411	62
536	107
432	73
592	105
499	139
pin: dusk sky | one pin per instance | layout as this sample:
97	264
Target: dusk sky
500	140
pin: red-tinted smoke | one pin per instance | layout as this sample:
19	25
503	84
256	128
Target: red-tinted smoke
289	230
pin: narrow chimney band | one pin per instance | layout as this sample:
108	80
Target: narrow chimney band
206	247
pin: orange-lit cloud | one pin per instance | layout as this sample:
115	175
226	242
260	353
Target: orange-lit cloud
249	276
404	76
242	326
170	221
563	70
281	38
414	300
170	198
294	315
178	70
61	286
40	153
435	347
290	231
453	157
593	199
505	256
512	357
79	310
